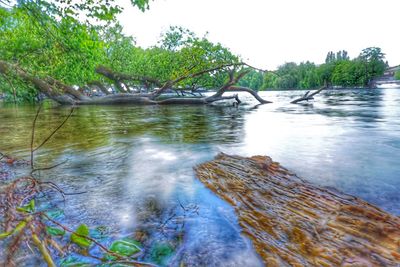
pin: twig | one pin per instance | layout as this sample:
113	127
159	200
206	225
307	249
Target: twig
42	248
54	186
55	130
33	134
49	168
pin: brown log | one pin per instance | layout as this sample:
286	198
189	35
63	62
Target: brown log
295	223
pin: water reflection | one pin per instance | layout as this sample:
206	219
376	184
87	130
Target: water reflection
135	163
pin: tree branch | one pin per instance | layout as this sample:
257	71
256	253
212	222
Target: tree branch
307	96
118	76
250	91
169	84
55	130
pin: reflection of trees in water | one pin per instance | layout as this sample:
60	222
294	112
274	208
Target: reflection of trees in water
96	126
360	105
358	97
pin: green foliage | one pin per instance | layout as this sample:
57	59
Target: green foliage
71	261
79	236
178	52
125	247
69	50
63	49
54	231
99	10
253	80
161	252
340	55
338	70
176	38
397	75
30	207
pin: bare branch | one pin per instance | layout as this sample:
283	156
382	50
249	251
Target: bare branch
307	96
232	81
169	84
118	76
55	130
33	134
250	91
48	168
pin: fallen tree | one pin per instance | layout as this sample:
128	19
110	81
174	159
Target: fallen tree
294	223
67	95
155	89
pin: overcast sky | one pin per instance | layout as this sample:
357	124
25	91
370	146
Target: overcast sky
268	33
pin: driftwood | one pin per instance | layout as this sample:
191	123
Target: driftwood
294	223
307	96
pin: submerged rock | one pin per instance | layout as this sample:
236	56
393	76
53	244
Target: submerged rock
294	223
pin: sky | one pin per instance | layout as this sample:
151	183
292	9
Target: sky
268	33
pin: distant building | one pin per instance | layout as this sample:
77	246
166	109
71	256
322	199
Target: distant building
387	80
391	71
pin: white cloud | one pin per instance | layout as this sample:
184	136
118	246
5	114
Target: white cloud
269	33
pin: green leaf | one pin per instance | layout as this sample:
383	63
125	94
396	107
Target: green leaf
27	208
5	234
79	236
55	231
72	261
21	225
125	247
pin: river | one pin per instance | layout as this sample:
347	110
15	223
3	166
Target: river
133	165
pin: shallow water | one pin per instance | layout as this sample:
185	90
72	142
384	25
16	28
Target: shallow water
135	163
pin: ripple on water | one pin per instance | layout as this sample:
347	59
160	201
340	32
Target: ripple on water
129	159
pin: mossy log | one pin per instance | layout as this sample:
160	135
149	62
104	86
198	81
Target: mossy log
295	223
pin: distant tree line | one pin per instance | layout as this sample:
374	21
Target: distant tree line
338	70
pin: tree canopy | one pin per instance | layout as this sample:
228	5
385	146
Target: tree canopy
38	40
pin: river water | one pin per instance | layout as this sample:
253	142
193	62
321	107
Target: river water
133	165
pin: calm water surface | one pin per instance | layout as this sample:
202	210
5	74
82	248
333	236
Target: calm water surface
135	163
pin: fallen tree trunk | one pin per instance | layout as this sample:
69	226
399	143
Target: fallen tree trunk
294	223
67	95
